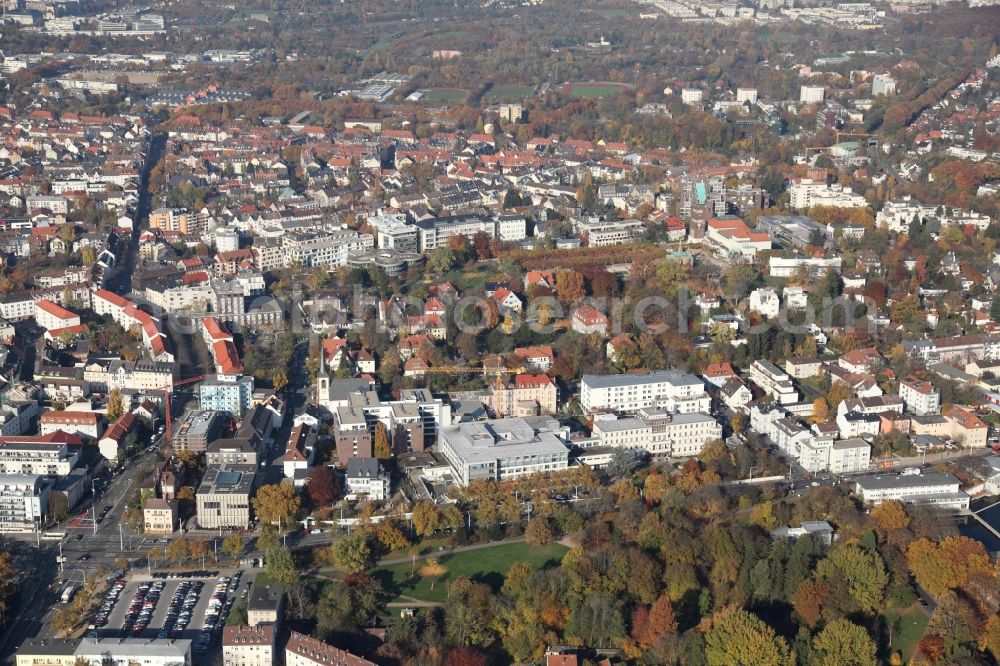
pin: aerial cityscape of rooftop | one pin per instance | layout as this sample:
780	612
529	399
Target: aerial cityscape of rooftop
500	333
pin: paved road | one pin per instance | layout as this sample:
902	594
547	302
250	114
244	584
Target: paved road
84	548
121	279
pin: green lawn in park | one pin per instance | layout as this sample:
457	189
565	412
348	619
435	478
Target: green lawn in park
485	565
908	628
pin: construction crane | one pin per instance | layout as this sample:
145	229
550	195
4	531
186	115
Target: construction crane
463	370
497	374
838	134
167	390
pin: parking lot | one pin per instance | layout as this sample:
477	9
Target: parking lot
179	610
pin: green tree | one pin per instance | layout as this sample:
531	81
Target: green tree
116	406
383	451
268	537
58	507
469	613
863	572
671	274
843	643
432	570
995	309
538	532
232	546
7	587
443	260
739	638
352	554
178	550
426	518
276	503
279	566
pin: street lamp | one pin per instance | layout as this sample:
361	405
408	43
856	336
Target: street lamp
759	468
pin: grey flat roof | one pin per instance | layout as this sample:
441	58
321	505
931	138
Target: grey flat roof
485	441
136	647
227	479
853	443
675	377
49	646
909	480
616	425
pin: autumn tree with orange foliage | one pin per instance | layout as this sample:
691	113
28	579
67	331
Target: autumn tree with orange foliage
949	564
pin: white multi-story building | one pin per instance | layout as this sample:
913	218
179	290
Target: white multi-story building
814	451
399	237
180	297
52	317
224	496
812	94
850	455
692	95
806	193
935	489
601	233
220	395
329	248
503	448
746	95
920	396
898	215
366	478
673	390
774	381
765	302
788	266
102	376
658	432
512	228
435	232
23	500
883	84
36	458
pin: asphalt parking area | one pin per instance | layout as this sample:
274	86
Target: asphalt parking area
159	617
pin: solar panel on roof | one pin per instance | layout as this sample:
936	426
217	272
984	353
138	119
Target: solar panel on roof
228	478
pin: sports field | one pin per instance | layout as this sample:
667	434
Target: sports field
444	94
593	90
508	93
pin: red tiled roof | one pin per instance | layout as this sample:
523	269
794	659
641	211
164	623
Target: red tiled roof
227	359
54	310
121	427
68	417
111	297
530	381
214	330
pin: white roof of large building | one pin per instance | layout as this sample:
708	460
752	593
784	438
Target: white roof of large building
675	377
484	441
